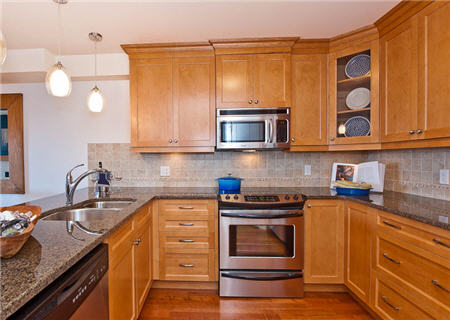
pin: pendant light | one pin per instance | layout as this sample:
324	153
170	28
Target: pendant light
3	50
58	81
95	98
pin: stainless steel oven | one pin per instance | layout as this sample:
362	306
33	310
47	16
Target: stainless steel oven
261	245
256	128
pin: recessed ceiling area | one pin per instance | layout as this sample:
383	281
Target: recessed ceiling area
33	24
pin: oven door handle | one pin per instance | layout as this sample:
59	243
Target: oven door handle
249	215
286	276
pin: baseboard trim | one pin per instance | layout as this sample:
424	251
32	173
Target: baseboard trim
203	285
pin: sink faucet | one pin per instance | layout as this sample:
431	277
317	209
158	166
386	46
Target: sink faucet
71	185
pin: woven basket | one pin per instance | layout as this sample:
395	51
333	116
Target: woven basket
9	246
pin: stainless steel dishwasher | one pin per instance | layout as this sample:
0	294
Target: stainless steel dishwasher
80	293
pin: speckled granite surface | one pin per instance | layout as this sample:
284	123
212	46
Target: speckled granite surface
51	250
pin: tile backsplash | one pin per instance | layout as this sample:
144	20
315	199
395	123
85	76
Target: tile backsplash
410	171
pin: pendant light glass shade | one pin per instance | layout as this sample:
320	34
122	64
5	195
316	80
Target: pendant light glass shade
3	50
58	81
95	100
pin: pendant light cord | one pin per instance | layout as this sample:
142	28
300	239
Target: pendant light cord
59	32
95	63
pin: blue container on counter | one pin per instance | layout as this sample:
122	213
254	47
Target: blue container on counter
229	185
352	191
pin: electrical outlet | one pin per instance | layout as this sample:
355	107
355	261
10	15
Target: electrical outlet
164	171
443	176
307	170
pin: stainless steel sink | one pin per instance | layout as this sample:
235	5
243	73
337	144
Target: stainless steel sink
108	204
83	214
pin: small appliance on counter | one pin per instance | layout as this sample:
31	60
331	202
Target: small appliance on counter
229	184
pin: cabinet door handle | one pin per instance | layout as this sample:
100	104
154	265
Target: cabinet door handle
186	265
250	101
391	259
186	240
389	304
185	208
392	225
411	131
175	140
256	101
293	139
170	140
441	243
308	205
437	284
331	138
186	224
419	131
137	242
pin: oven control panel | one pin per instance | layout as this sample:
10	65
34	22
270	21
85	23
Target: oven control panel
261	199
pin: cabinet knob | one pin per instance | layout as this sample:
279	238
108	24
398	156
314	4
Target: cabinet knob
308	205
176	141
419	131
170	140
293	139
331	138
256	101
411	131
137	242
250	101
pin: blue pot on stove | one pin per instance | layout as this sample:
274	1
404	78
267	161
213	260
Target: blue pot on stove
229	185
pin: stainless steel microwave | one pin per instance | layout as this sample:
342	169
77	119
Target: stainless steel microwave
255	128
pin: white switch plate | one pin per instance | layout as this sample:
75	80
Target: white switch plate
443	176
164	171
307	170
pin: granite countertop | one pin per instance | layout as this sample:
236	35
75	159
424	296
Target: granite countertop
51	251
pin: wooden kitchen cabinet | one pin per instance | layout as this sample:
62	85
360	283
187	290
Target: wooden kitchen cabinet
415	73
324	241
130	263
358	244
309	100
253	80
172	92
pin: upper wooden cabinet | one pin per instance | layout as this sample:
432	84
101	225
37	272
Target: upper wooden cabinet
415	73
255	80
309	100
172	91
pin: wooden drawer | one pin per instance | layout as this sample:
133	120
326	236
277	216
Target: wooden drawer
428	237
187	264
391	302
187	240
424	272
186	207
197	224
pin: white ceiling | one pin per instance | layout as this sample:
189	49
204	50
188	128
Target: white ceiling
33	24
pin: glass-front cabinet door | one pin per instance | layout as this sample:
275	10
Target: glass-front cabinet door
354	111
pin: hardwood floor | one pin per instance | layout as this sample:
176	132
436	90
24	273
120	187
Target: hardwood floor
207	305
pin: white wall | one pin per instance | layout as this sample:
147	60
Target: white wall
57	131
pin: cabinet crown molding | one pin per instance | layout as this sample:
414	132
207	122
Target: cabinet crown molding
155	50
254	45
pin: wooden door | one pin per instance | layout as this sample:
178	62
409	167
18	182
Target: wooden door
193	101
234	80
434	71
272	84
309	100
357	249
143	264
324	241
399	82
151	102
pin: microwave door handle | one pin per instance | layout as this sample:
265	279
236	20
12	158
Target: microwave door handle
271	131
267	131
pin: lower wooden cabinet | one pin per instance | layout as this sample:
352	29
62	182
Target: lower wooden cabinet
130	262
324	241
358	229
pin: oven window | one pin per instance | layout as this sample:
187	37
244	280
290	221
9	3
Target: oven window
249	131
261	240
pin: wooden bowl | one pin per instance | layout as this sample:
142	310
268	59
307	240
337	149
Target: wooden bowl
9	246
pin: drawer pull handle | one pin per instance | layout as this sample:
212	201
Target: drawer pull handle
389	304
137	242
186	240
441	243
186	265
436	283
392	225
186	224
390	259
185	208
